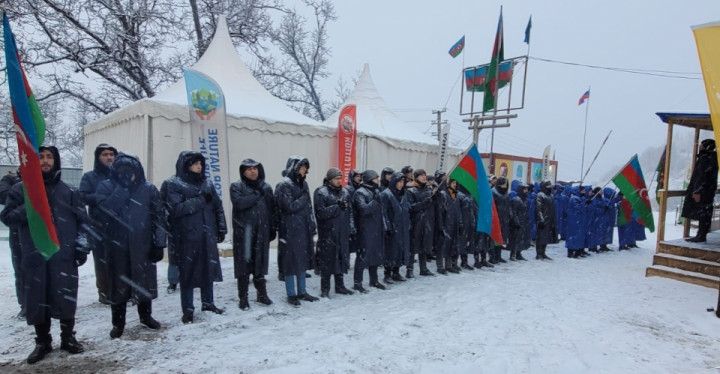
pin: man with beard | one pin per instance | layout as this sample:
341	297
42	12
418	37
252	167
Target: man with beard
422	223
385	176
333	212
51	284
397	242
135	237
254	227
519	223
199	224
297	228
6	184
545	219
371	225
104	157
450	216
502	205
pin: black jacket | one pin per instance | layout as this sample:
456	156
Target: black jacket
254	222
704	183
545	218
6	184
397	211
334	215
519	239
502	204
450	214
371	225
422	218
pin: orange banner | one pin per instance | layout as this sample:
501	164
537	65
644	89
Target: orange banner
347	135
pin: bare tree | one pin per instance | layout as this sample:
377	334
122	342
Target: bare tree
8	141
304	63
343	89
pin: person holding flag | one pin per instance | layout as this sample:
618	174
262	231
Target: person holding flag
50	279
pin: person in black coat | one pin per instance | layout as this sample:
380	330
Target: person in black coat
700	191
409	174
104	157
334	215
385	176
469	219
354	182
502	205
371	225
545	220
422	223
135	236
173	274
254	218
397	243
198	225
519	223
297	228
51	284
281	244
6	184
450	216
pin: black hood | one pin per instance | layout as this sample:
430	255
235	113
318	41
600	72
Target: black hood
182	166
132	161
293	169
397	177
351	177
498	186
99	167
53	175
520	190
385	172
261	173
368	177
546	187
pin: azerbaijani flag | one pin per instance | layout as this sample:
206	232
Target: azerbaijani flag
631	183
584	97
660	176
30	130
457	48
475	78
624	213
470	173
498	55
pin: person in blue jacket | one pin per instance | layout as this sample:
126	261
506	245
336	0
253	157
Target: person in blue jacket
589	218
576	222
513	189
626	237
597	225
567	194
611	199
559	213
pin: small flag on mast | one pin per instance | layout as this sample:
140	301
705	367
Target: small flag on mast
584	97
527	31
457	49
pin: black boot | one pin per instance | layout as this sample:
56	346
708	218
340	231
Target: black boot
388	276
442	271
409	274
464	263
243	283
543	256
426	273
308	297
512	256
212	308
261	288
187	318
294	301
118	320
360	288
451	265
67	336
171	289
519	257
477	264
571	253
396	275
499	255
22	316
145	313
340	286
43	346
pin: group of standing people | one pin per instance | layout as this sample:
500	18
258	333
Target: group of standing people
391	221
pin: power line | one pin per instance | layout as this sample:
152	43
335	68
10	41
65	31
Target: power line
655	73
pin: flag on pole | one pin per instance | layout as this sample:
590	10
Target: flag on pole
457	48
30	131
476	78
660	176
470	173
625	212
631	182
498	55
527	31
584	97
706	39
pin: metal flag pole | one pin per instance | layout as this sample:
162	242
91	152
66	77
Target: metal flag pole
587	109
596	156
497	85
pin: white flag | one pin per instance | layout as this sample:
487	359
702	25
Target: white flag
546	164
443	146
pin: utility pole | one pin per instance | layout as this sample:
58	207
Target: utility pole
476	126
439	121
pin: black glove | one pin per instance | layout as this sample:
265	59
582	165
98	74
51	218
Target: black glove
80	258
273	235
220	238
156	254
541	225
207	196
389	234
588	202
125	179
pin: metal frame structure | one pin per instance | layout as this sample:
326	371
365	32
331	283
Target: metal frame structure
515	61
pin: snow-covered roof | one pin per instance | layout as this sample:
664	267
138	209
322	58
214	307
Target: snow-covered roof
373	116
244	95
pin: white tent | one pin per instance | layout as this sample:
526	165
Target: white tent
260	125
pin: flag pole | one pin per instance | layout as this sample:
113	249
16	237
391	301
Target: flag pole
596	156
527	60
582	163
495	96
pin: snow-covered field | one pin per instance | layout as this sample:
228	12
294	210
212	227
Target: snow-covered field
594	315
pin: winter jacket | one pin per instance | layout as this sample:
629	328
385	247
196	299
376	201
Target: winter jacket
502	205
559	210
383	182
450	214
133	224
6	184
90	181
197	224
350	189
172	254
51	286
371	225
397	211
254	219
422	218
297	224
335	222
545	219
567	194
469	212
532	198
703	182
611	199
519	239
576	220
596	225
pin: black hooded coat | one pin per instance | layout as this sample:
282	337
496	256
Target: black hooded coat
469	218
254	222
520	232
335	221
704	183
133	224
297	224
371	223
51	286
350	189
422	218
196	224
450	214
172	253
502	204
545	216
383	182
397	211
91	180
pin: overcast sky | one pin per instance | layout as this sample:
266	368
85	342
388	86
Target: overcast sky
406	43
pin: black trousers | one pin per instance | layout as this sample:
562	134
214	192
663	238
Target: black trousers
16	252
325	282
422	259
704	226
119	311
66	327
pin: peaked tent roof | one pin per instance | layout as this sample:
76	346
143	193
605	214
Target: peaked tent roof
244	95
373	116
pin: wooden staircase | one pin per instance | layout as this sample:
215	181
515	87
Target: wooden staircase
696	263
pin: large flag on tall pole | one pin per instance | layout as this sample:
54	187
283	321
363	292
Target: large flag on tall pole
498	55
707	39
30	132
631	182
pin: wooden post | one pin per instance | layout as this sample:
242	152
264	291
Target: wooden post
663	193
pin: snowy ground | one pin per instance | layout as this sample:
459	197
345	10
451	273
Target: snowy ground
594	315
